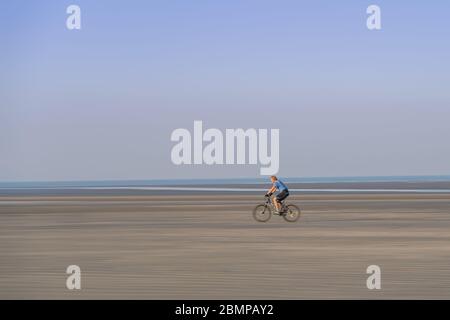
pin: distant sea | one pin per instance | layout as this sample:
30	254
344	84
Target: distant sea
193	182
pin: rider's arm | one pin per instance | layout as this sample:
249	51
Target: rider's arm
272	190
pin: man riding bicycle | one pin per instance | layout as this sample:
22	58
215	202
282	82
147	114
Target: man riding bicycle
283	192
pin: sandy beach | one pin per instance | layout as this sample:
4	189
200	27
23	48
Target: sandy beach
136	245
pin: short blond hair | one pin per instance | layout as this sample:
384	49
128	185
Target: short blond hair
274	177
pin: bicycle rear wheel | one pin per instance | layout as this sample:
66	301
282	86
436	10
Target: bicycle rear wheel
292	214
262	213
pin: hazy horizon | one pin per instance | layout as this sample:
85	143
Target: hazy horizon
245	180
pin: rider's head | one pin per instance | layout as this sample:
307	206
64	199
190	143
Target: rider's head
273	178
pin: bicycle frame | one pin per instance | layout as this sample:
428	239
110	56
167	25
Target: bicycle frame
269	202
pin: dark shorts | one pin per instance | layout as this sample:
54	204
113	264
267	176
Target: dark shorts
282	195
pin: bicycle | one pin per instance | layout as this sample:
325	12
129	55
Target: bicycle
263	212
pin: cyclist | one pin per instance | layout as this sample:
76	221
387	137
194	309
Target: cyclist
283	192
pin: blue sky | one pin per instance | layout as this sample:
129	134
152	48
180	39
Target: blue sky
101	102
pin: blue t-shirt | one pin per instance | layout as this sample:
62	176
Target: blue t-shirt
280	185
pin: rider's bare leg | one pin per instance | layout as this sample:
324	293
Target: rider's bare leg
276	204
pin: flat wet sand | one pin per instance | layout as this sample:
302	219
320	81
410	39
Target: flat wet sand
207	246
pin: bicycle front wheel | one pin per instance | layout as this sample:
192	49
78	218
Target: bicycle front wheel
292	214
262	213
